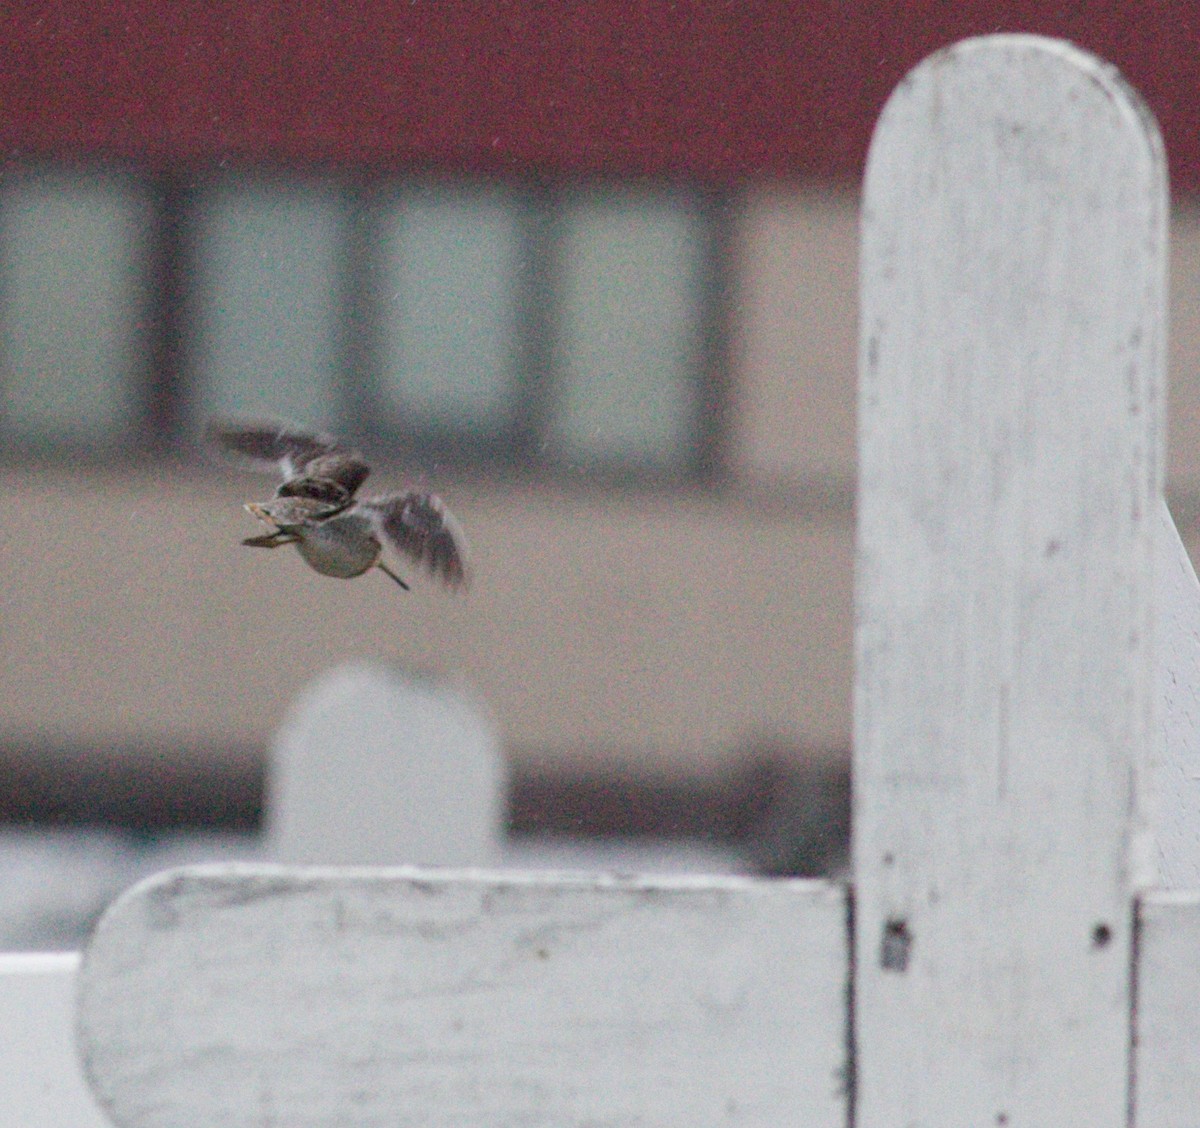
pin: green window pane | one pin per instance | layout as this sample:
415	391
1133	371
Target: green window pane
450	267
628	356
269	303
73	273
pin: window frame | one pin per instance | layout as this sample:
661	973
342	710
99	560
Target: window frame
166	380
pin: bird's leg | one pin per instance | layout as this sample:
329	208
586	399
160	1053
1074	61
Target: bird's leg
388	572
271	540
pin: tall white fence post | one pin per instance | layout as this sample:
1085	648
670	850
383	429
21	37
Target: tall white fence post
1012	340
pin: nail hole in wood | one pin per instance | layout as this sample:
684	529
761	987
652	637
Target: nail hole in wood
894	950
1101	936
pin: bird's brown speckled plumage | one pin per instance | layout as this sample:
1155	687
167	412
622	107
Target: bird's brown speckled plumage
315	507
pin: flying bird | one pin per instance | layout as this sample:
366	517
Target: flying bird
315	506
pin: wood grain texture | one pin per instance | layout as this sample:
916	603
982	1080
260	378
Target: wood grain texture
1174	801
1009	461
1167	1061
243	996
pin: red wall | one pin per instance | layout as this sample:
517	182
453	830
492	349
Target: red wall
720	90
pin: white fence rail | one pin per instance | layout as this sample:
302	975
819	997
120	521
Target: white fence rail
41	1084
457	997
1025	751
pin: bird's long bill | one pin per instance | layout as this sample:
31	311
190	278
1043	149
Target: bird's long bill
259	512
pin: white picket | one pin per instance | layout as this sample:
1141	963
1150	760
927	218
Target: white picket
235	997
376	767
1013	275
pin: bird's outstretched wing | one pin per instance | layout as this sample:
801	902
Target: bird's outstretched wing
311	464
419	526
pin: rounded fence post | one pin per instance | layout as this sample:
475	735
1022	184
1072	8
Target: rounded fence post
374	767
1011	391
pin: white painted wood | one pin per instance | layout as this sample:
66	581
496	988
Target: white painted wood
1167	1060
1175	771
229	996
41	1082
1010	401
374	767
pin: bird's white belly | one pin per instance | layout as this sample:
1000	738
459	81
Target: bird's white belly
343	546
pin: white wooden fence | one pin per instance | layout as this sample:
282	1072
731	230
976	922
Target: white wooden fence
419	778
1019	944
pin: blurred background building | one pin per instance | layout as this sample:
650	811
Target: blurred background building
587	270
